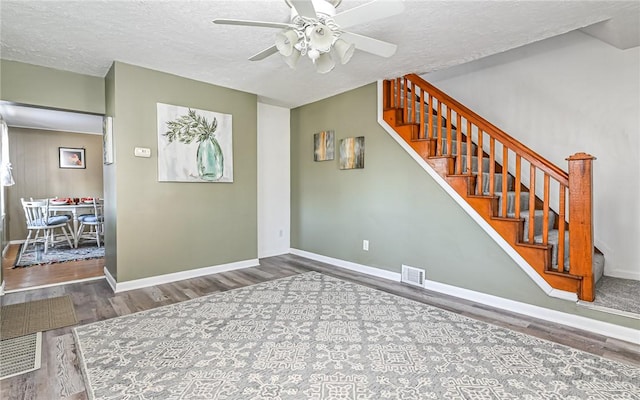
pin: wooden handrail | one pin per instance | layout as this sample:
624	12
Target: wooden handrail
530	155
415	99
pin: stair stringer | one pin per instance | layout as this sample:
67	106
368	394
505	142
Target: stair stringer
475	215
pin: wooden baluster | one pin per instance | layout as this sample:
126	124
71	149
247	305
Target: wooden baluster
517	184
398	95
581	222
406	101
385	94
449	143
480	166
412	96
505	174
430	119
492	166
561	227
532	201
458	143
421	119
545	211
439	129
469	170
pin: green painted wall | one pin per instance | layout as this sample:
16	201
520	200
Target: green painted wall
48	87
165	227
406	216
109	182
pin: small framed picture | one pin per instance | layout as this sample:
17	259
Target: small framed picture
72	158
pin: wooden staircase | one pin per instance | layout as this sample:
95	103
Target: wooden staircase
533	204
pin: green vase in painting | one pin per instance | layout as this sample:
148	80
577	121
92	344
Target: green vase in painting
210	160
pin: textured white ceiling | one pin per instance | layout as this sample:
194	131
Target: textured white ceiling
178	37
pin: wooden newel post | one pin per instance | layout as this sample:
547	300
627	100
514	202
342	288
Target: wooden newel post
581	222
386	97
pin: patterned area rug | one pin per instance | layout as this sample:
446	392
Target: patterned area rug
311	336
35	255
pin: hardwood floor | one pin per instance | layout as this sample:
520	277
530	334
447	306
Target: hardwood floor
60	377
40	275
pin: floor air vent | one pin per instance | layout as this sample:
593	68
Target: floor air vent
413	276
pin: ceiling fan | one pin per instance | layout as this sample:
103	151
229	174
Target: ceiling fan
317	31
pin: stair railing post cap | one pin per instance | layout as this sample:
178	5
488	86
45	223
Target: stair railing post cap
580	156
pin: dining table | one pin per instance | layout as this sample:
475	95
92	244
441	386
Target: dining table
76	209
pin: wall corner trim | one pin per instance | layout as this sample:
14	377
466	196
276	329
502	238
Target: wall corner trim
2	288
118	287
559	317
517	258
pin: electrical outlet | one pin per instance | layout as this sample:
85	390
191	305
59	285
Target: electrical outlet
365	245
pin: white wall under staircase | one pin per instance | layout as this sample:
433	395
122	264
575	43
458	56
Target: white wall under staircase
564	95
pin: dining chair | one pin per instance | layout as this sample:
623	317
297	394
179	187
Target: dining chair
94	221
38	220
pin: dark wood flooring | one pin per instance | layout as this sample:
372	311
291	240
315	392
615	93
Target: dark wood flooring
60	376
48	274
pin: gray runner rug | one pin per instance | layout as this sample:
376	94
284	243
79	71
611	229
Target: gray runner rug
311	336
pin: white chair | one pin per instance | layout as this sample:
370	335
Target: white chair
94	221
38	220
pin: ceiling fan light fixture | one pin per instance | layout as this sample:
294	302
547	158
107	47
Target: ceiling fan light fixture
320	37
292	59
344	50
324	63
285	40
313	54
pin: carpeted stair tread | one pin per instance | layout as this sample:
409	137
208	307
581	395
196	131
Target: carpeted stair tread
511	201
454	147
598	259
497	183
474	163
538	224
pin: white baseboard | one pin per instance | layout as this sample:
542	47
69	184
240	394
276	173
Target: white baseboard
622	273
380	273
176	276
273	253
559	317
2	288
20	241
110	279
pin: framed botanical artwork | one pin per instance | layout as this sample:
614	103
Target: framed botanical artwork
71	157
323	146
194	145
352	153
107	141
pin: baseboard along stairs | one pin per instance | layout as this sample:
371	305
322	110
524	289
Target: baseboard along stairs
534	205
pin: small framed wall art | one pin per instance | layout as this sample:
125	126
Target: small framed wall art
71	157
323	146
352	153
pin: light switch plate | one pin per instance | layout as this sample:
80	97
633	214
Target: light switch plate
142	152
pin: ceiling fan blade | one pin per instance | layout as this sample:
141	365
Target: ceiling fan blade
369	12
264	53
304	8
243	22
370	45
